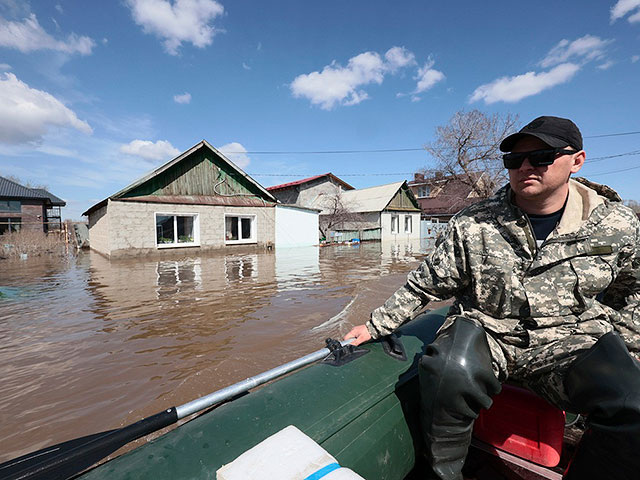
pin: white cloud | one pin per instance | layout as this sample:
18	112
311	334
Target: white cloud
427	77
514	89
399	57
160	150
583	49
28	36
245	66
182	98
5	66
179	21
236	152
606	65
623	7
338	85
635	58
26	114
59	8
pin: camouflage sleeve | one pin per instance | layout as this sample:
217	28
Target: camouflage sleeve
626	289
438	278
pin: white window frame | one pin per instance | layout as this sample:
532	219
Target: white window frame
395	230
410	219
176	244
424	191
254	229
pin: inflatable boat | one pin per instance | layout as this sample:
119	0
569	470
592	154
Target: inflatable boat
359	404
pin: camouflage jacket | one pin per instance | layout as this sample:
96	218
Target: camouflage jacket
584	278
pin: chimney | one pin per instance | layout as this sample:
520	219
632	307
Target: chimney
418	177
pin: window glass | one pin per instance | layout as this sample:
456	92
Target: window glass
423	191
246	228
164	229
394	224
407	224
185	229
10	224
10	206
231	228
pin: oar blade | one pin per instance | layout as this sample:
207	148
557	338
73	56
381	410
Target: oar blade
13	467
67	459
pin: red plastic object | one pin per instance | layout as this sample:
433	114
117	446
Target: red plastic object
523	424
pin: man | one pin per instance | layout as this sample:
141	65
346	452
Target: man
546	281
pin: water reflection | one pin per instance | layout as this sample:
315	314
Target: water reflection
174	277
86	339
239	268
297	267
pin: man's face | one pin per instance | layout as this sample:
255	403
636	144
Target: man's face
537	183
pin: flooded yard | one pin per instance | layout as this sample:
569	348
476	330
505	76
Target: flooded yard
88	344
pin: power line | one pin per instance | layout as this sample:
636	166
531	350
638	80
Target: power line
614	171
613	135
380	150
589	160
626	154
336	174
324	152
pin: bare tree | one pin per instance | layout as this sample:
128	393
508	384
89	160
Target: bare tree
633	205
15	179
335	214
467	147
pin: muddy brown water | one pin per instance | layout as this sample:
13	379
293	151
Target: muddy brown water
88	344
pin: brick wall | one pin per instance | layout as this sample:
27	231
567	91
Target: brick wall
99	231
131	227
32	215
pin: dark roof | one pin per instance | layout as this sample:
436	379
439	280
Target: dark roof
55	201
451	194
310	179
9	188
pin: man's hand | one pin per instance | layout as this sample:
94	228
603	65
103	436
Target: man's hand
360	333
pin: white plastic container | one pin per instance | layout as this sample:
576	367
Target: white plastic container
286	455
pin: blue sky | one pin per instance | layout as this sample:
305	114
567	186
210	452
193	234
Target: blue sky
95	94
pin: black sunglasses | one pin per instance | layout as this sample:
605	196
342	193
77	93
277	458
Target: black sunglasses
537	158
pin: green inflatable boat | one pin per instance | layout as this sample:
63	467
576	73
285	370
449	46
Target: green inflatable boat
358	404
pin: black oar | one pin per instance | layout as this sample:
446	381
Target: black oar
67	459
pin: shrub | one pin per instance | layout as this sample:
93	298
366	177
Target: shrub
32	243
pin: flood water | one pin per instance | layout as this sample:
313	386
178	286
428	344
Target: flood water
88	344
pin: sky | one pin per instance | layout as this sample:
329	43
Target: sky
94	95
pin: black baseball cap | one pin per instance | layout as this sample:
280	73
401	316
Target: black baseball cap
554	131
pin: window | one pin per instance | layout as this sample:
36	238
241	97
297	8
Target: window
423	191
10	206
407	224
240	228
8	224
176	230
394	223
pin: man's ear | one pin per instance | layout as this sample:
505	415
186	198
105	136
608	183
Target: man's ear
578	161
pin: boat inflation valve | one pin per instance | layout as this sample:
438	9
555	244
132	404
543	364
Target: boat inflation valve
341	354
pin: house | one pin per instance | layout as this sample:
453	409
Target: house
309	192
385	212
200	200
442	196
28	208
